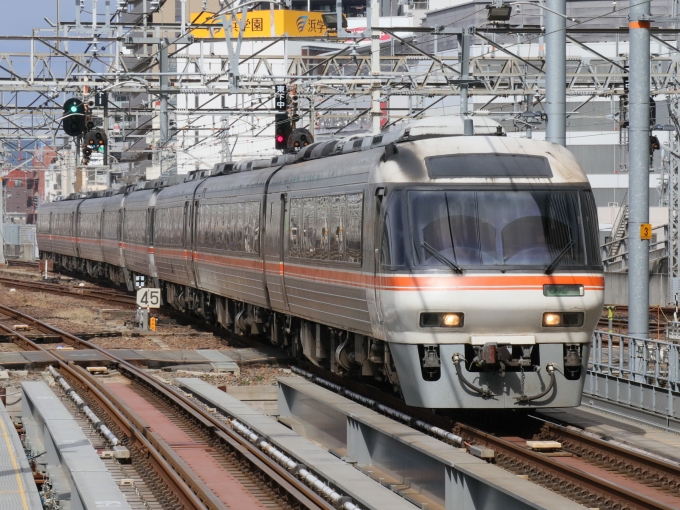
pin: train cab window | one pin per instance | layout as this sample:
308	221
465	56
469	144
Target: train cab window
393	240
499	228
326	227
591	228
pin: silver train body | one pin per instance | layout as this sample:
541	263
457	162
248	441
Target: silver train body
463	270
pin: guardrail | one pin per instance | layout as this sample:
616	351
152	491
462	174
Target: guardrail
637	374
619	261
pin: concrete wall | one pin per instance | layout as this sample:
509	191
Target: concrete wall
616	289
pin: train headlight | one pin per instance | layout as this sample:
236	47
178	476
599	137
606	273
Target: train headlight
552	319
563	319
441	320
452	320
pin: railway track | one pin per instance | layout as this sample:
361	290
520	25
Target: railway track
110	295
177	483
587	469
593	472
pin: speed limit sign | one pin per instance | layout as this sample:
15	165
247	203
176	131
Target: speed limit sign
149	298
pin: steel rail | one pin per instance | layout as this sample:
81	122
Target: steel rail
541	466
580	484
304	496
55	288
664	472
159	459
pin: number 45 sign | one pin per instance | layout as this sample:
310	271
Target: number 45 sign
149	298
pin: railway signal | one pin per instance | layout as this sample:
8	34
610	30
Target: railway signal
282	131
299	139
74	117
95	143
654	145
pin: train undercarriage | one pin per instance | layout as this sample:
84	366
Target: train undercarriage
340	351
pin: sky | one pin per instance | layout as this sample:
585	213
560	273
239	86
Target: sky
19	17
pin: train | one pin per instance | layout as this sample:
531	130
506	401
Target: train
462	270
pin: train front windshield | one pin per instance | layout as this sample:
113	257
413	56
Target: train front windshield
487	229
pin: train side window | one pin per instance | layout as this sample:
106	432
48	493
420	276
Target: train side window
214	226
240	226
320	247
200	230
308	231
294	230
252	238
220	234
355	207
232	213
336	220
326	228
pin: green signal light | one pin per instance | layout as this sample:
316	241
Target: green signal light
74	109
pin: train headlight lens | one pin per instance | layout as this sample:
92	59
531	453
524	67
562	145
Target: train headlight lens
563	319
441	320
451	320
552	319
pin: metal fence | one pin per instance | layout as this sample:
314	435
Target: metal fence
20	241
637	373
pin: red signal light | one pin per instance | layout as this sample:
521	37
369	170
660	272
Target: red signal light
279	138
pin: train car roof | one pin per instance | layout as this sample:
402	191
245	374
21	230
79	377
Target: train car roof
93	204
481	160
430	150
235	184
178	192
139	198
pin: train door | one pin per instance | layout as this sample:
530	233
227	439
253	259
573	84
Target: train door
186	235
377	270
193	274
282	244
190	213
73	233
76	230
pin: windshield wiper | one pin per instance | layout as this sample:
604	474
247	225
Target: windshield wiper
556	260
441	258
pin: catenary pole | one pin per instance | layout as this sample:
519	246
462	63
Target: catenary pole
556	72
638	150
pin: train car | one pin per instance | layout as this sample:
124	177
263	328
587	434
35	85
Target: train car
172	239
62	231
136	241
89	235
463	270
111	233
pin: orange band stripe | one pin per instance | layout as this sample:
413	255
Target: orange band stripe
639	24
358	279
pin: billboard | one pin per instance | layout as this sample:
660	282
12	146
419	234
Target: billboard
266	23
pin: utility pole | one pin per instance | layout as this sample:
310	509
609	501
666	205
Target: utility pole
556	71
163	68
464	60
376	112
2	207
638	150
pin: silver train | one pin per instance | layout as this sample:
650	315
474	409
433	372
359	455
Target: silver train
463	270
